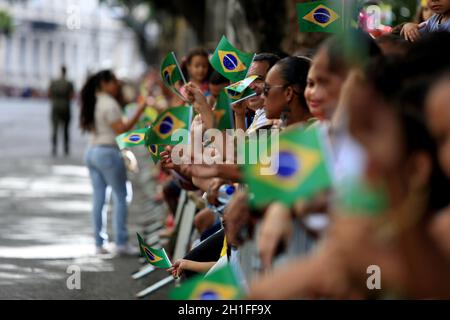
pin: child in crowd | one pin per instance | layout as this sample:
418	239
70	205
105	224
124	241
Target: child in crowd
217	83
396	239
440	21
197	68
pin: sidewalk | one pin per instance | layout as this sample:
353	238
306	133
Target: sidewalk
45	220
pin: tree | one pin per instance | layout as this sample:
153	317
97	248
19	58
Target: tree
6	23
164	13
265	21
252	25
268	21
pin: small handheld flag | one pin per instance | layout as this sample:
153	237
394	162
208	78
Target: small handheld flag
155	150
219	285
147	118
131	139
321	16
230	62
241	86
171	73
222	112
157	258
299	169
236	97
167	124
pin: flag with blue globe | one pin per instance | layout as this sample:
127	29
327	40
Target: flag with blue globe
323	16
131	139
230	62
172	75
298	168
169	123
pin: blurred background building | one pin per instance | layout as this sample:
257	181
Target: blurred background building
132	36
84	35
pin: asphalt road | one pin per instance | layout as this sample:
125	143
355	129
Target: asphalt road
45	220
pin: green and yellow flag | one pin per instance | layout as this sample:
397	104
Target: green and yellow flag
297	170
322	16
147	118
230	62
219	285
157	258
131	139
236	97
167	124
223	113
242	85
171	73
155	150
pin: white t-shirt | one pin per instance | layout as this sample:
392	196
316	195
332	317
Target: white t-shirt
259	121
107	112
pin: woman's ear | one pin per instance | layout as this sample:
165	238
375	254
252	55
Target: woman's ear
289	94
420	171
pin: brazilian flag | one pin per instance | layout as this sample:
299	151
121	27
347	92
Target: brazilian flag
219	285
131	139
157	258
155	150
167	124
242	85
236	97
322	16
222	112
147	118
230	62
298	169
171	73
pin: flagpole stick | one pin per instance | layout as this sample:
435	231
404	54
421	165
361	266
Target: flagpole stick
179	95
248	69
182	77
245	98
179	68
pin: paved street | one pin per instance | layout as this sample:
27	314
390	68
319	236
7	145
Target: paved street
45	222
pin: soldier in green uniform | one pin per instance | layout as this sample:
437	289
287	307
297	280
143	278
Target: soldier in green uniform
61	92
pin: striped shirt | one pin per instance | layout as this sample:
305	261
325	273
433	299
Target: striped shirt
435	24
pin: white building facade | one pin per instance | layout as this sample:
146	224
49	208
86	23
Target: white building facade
83	35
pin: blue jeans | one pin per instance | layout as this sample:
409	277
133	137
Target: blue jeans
107	168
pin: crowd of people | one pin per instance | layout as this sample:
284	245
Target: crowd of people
381	104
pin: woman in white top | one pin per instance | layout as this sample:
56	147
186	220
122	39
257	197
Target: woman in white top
101	117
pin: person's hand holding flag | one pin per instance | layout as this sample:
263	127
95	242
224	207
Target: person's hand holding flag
177	268
240	108
198	100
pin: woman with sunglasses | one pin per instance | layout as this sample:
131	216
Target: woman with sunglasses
317	98
283	91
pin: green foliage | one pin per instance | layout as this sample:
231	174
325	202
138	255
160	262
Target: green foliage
397	5
6	22
399	9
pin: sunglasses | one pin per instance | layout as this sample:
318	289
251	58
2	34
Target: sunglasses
267	88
